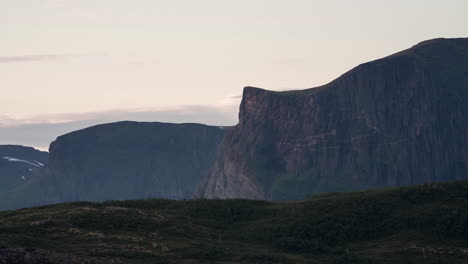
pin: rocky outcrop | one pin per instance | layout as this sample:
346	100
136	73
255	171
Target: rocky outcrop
38	256
124	160
396	121
18	165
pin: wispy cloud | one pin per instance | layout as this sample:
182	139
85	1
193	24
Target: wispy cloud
40	130
222	112
34	57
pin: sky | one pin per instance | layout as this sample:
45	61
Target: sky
68	64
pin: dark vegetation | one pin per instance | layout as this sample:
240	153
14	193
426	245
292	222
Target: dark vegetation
421	224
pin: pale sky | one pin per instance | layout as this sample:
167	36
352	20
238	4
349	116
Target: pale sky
68	61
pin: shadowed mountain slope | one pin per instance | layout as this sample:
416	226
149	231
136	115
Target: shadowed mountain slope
124	160
18	165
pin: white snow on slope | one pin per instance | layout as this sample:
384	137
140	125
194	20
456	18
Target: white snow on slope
38	164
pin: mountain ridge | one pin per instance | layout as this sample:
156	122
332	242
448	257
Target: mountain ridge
122	160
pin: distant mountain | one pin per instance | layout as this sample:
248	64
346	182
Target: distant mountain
124	160
18	165
395	121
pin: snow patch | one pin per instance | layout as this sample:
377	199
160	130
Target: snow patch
40	164
37	164
23	177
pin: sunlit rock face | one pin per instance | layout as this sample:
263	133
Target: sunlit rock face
396	121
124	160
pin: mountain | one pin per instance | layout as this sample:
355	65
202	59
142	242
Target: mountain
124	160
420	224
396	121
18	165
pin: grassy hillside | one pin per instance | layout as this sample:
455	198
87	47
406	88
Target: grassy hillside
421	224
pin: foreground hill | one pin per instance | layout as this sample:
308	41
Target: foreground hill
396	121
18	165
422	224
124	160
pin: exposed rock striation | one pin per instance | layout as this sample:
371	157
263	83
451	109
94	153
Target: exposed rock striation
395	121
124	160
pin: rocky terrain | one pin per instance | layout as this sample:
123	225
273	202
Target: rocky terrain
18	165
124	160
395	121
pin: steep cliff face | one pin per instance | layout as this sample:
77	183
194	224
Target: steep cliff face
18	165
125	160
396	121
